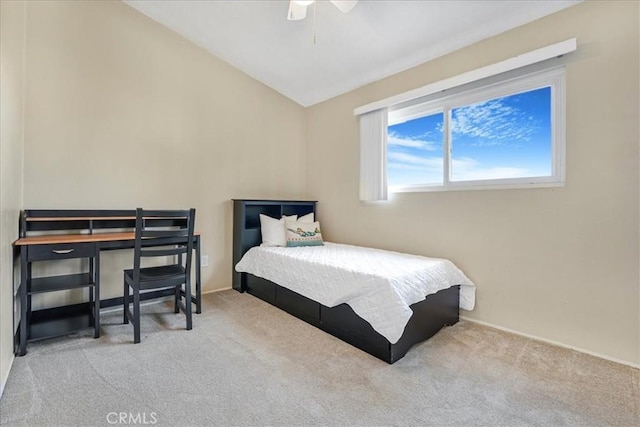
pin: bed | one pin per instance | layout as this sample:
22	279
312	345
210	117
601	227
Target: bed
322	306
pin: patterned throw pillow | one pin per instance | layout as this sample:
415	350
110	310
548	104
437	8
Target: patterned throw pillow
303	233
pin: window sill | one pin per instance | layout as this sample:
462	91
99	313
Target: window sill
466	186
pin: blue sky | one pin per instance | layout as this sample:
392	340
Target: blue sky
506	137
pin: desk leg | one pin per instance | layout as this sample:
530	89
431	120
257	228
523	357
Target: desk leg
24	277
29	275
96	291
198	278
92	290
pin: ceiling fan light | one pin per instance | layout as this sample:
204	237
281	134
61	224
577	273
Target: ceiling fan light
298	8
344	5
296	11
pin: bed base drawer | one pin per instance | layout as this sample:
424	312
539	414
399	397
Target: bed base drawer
429	316
263	289
298	305
285	299
342	322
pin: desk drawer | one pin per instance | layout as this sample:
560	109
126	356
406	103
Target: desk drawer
61	251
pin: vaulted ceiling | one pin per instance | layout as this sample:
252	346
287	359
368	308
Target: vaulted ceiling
330	53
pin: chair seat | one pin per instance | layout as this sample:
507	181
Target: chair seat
164	273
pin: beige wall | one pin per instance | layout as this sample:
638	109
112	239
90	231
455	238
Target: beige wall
116	104
557	263
122	112
11	143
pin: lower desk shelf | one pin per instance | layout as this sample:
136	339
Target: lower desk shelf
54	322
60	283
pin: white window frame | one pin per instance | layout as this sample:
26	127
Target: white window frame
482	91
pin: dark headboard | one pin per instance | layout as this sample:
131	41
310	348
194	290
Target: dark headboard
246	225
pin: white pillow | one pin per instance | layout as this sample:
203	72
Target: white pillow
303	234
273	230
307	218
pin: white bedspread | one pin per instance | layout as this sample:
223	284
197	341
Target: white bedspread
378	285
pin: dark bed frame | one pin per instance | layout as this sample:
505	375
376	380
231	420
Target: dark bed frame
429	316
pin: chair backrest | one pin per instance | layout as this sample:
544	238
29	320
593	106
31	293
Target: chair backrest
162	233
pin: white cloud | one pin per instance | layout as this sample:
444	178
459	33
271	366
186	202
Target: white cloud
414	169
397	140
468	169
410	160
492	122
463	168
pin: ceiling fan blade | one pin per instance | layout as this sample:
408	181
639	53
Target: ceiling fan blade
344	5
296	11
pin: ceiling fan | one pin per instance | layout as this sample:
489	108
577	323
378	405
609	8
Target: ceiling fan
298	8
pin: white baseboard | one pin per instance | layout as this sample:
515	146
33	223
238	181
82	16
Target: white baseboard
156	301
6	375
556	343
216	290
142	304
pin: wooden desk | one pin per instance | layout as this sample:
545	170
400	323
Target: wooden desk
62	320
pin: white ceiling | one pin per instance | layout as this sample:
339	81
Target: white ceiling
374	40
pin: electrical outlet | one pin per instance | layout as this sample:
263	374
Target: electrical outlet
204	261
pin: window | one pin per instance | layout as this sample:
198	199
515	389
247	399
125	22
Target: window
501	134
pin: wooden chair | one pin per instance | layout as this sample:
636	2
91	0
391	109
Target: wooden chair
161	234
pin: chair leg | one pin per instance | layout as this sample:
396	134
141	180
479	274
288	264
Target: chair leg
125	302
176	300
187	304
136	315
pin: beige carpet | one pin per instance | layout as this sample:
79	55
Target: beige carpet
247	363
